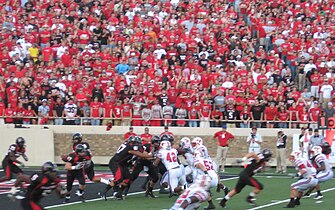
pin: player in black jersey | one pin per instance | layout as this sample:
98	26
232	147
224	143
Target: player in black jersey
256	163
121	160
77	138
11	163
41	184
150	148
75	170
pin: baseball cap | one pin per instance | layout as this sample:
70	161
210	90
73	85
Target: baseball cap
166	127
131	128
316	130
224	125
310	129
330	104
44	100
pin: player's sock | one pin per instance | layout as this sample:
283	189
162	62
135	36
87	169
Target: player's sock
252	194
318	192
227	197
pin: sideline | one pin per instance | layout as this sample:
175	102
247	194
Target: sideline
99	199
286	200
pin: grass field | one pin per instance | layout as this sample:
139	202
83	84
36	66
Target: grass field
275	195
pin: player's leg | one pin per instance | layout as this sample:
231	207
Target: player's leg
241	183
322	177
258	187
81	179
70	177
27	204
162	170
89	171
153	178
7	170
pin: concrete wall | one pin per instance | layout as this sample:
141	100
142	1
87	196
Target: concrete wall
39	143
49	144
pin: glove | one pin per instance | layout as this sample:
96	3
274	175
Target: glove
78	166
25	157
20	164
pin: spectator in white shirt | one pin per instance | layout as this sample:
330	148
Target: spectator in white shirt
326	92
159	51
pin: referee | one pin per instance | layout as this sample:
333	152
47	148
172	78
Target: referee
316	139
223	137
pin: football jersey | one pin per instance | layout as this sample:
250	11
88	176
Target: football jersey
204	150
201	194
253	166
75	159
321	158
304	164
71	109
209	165
122	154
169	158
41	185
16	150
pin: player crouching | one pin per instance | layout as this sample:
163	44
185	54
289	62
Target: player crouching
174	175
40	184
194	195
255	164
306	180
323	169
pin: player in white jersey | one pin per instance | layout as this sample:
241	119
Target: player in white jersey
190	172
307	180
323	168
197	144
193	197
206	167
174	174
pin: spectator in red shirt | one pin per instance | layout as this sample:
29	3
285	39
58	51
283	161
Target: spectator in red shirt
193	116
205	113
216	117
107	110
126	112
314	114
129	133
96	111
2	111
223	139
146	136
117	110
283	116
270	115
9	114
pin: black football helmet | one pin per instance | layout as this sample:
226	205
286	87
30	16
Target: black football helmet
80	148
326	148
49	167
155	139
20	141
166	137
77	137
267	153
135	140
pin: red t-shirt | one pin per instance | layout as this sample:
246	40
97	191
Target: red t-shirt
126	108
315	112
283	116
205	110
146	138
223	137
270	113
95	109
108	109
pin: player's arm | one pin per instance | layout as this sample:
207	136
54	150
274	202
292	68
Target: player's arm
188	201
201	167
247	156
156	161
140	154
322	167
13	158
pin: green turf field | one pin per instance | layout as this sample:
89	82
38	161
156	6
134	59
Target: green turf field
275	195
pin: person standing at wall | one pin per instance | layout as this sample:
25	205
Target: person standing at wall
281	152
223	139
254	141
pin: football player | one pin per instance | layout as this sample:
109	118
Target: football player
256	162
75	170
323	169
208	167
41	184
147	165
174	175
10	163
197	144
307	180
193	196
77	138
185	145
119	163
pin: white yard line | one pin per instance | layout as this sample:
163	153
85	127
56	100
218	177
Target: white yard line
99	199
285	201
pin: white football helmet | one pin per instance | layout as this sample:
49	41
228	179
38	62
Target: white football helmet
185	141
196	141
165	145
316	150
202	181
295	155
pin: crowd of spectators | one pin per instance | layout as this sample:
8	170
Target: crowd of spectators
178	62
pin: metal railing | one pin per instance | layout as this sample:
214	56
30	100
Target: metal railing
163	121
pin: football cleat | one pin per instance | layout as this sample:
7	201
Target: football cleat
290	205
67	199
223	203
297	202
102	195
307	195
251	200
318	197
